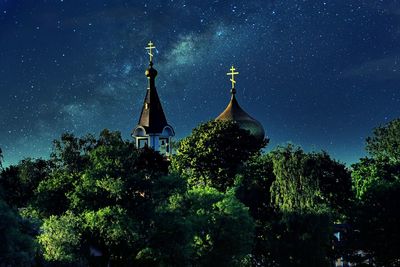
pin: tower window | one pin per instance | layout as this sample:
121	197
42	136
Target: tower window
164	145
143	143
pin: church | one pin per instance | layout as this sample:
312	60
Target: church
153	129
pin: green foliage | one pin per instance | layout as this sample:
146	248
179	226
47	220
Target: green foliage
384	144
61	238
377	185
221	228
70	153
51	193
309	181
17	247
334	183
253	185
314	186
369	172
223	203
384	166
213	153
119	201
106	188
113	230
19	182
293	189
253	190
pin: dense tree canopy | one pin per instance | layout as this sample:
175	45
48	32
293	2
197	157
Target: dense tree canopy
384	144
17	247
377	219
105	191
309	181
21	180
103	201
219	201
213	153
376	181
220	227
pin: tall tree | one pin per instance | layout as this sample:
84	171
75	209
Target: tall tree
384	144
376	180
214	152
253	186
305	181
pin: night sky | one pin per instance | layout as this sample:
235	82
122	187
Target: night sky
320	74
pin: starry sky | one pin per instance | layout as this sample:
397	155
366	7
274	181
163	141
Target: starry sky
320	74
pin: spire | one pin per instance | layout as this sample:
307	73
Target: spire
235	113
152	117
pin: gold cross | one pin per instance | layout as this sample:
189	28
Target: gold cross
150	48
232	73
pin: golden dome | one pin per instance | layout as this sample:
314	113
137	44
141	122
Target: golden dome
235	113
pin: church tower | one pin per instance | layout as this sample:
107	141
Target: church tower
152	129
235	113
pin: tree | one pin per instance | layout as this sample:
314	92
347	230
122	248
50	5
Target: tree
334	183
293	189
376	219
370	171
383	165
213	153
221	228
299	238
384	144
107	199
20	181
307	181
252	187
61	238
291	195
376	182
122	205
17	247
70	153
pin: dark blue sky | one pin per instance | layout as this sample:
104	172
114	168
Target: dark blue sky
320	74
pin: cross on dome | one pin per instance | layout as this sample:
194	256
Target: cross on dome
232	74
150	47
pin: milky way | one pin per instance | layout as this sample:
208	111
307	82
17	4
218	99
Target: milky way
314	73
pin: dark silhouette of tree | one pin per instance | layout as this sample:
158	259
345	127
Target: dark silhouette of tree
375	217
20	181
377	220
17	247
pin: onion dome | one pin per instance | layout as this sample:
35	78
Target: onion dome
233	112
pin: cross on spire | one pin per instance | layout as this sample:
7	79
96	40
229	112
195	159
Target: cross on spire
150	47
232	74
